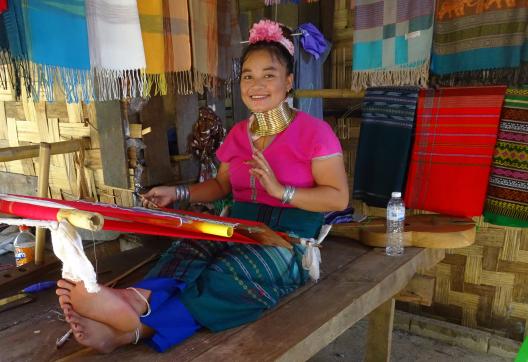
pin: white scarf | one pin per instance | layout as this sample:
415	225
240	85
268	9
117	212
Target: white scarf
117	56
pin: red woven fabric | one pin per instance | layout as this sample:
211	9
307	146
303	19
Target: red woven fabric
456	130
3	6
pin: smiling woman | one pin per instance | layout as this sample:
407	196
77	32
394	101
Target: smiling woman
283	167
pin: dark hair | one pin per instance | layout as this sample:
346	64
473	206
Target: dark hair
275	49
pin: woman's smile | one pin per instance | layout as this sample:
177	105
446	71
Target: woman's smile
264	82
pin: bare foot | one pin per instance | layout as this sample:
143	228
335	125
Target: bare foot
97	335
118	308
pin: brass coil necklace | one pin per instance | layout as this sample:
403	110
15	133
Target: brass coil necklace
273	121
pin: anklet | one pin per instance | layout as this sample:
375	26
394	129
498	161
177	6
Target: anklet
137	334
144	299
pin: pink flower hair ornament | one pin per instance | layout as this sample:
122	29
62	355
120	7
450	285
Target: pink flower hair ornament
269	31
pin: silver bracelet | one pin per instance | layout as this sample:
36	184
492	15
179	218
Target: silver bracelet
183	193
287	196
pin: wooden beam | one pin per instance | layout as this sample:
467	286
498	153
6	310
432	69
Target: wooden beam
420	290
328	93
379	335
112	140
43	190
23	152
158	168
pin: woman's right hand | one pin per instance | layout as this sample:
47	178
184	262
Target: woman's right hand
161	196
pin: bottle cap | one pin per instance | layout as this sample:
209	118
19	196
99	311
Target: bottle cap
23	228
396	194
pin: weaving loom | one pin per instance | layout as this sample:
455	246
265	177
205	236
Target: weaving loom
178	224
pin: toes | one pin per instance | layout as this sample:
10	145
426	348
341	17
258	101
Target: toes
79	336
62	291
64	300
65	284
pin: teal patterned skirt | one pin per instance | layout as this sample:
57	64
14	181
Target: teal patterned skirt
230	284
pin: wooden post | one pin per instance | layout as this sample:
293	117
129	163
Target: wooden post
43	186
379	337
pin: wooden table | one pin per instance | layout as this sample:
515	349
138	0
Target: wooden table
356	281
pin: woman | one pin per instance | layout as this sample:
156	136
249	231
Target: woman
283	167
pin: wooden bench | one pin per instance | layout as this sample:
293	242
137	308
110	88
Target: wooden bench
356	281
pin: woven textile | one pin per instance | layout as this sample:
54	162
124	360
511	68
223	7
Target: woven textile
456	130
507	200
480	42
3	6
116	48
228	285
204	43
39	43
392	42
4	54
384	143
151	20
177	44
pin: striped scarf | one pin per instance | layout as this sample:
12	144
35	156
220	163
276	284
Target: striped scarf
177	45
392	42
116	48
151	19
456	130
480	42
204	35
384	143
507	200
44	53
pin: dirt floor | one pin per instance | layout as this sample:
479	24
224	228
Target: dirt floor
349	347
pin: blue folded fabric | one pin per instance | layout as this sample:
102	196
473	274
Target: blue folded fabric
169	318
339	217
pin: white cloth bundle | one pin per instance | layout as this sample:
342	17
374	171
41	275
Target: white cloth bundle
68	247
312	255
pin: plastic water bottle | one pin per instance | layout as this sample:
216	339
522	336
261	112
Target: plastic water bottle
24	246
395	225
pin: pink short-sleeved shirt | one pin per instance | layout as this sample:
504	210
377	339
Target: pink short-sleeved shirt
289	154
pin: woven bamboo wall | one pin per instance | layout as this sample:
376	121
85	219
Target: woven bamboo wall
25	122
483	286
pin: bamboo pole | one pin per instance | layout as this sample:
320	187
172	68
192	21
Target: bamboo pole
22	152
328	93
43	186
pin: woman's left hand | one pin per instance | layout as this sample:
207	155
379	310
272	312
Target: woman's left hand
261	169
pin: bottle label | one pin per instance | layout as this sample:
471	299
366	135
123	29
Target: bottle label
396	214
24	255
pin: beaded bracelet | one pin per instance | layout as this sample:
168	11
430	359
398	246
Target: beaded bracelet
183	193
287	196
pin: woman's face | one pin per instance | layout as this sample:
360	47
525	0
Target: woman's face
264	81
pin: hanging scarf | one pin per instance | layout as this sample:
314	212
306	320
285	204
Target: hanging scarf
177	45
392	42
507	200
3	6
480	42
18	55
117	57
456	130
151	20
384	143
204	35
57	46
5	58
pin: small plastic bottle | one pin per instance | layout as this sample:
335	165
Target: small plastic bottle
24	246
395	225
